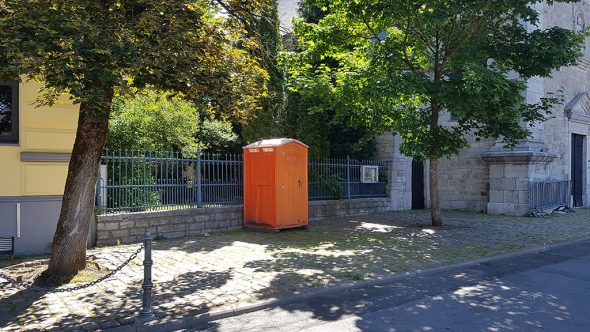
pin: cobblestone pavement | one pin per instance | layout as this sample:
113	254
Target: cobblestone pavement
198	274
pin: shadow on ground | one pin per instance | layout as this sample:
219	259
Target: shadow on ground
512	295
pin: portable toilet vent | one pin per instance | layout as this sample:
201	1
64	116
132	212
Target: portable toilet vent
275	185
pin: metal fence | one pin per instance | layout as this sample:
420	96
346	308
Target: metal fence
137	180
544	196
341	178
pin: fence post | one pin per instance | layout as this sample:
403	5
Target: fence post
348	177
147	313
199	184
98	200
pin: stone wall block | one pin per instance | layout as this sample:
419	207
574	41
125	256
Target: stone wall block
496	196
225	223
211	224
180	227
107	225
121	233
511	196
196	226
157	222
138	231
178	221
126	224
220	216
496	171
522	184
201	218
509	184
164	229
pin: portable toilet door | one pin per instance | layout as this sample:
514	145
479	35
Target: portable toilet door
292	193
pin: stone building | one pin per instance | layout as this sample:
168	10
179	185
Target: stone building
488	178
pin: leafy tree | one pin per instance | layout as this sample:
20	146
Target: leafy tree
160	122
311	113
92	49
269	120
401	64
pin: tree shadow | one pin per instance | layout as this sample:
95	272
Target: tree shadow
114	304
484	297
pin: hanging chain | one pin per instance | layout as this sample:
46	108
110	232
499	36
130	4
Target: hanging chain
74	288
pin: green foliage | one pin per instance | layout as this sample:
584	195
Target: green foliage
130	196
332	183
160	122
269	120
397	66
152	122
216	136
86	48
312	116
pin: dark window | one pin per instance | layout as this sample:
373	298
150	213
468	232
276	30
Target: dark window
8	112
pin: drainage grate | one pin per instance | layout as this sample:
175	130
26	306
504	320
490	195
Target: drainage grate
6	245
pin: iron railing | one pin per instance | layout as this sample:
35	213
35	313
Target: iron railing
138	180
545	196
341	178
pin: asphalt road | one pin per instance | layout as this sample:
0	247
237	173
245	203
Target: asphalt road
547	291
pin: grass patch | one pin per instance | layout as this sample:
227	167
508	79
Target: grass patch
90	273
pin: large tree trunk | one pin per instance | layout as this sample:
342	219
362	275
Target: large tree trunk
68	251
434	199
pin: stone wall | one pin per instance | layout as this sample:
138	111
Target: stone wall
464	180
131	227
319	210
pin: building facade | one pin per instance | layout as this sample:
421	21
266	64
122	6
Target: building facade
488	178
35	146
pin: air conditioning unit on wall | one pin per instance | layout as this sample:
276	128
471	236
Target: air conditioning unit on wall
6	245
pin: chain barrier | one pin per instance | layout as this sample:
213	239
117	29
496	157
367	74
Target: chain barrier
74	288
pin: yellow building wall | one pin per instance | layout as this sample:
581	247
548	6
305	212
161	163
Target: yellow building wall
41	129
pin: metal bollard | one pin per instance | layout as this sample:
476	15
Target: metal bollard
147	313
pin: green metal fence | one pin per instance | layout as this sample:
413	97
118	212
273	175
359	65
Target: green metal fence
139	180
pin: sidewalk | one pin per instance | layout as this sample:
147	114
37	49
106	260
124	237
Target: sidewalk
203	274
533	290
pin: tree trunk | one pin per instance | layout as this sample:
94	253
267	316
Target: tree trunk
434	199
68	250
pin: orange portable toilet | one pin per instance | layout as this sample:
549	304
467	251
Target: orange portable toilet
275	185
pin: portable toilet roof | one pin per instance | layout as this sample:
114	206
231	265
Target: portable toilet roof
274	142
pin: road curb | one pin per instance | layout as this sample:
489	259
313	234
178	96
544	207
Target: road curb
306	295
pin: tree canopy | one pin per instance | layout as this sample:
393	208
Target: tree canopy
399	65
199	48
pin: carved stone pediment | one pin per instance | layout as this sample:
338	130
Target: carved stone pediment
579	108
